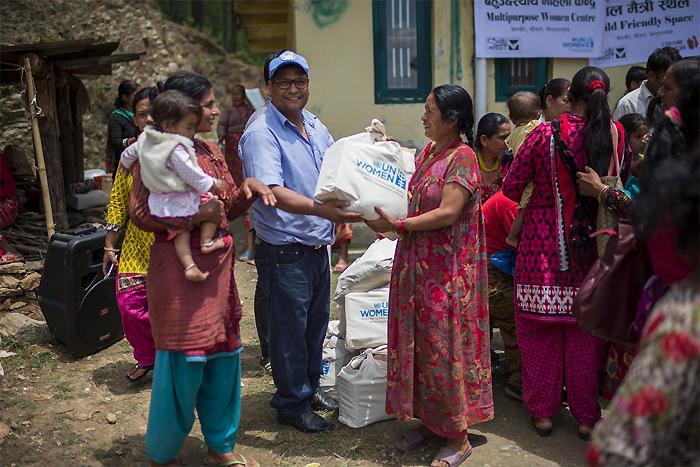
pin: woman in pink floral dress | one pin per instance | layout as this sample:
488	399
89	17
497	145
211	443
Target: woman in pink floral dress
439	367
556	251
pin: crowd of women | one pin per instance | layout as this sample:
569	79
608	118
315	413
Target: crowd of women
547	170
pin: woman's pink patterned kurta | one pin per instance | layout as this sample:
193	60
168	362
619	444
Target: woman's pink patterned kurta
543	291
439	360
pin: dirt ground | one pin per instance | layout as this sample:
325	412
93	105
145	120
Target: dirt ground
62	411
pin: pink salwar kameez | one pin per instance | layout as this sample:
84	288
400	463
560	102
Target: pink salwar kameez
555	350
133	305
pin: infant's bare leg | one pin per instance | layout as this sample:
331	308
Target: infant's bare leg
209	243
184	254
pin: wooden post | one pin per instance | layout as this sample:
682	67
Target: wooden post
225	26
64	116
50	226
45	88
80	101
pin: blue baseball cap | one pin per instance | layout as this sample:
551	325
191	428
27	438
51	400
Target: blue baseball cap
287	58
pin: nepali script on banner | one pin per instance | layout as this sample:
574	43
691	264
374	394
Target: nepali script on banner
539	28
634	28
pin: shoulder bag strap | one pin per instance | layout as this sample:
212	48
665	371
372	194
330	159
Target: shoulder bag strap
614	167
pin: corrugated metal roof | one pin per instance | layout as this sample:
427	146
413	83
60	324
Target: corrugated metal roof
83	56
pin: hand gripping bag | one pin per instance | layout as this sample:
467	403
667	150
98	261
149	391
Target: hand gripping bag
367	171
361	388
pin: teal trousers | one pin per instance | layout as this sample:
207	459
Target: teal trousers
213	387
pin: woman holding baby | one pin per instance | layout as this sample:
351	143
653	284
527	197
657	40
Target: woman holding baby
195	323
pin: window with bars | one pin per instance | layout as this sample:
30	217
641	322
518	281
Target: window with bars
402	50
520	74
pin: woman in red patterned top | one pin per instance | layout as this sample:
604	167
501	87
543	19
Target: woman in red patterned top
490	146
555	252
196	325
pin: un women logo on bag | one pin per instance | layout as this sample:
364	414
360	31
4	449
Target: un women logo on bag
383	171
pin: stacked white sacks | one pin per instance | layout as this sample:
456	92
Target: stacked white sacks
362	295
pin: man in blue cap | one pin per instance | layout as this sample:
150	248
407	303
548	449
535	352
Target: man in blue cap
285	150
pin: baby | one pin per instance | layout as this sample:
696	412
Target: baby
524	111
170	171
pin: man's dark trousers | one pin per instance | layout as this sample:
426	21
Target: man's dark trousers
297	278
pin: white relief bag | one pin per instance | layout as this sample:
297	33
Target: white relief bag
361	388
365	318
367	171
335	357
370	271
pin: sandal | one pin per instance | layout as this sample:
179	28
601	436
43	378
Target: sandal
137	367
451	457
340	268
249	461
584	432
246	256
542	431
265	363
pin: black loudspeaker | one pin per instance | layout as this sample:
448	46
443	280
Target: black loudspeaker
78	302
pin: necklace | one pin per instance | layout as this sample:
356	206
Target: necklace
482	165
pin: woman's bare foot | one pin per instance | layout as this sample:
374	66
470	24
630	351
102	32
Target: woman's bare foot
194	274
212	245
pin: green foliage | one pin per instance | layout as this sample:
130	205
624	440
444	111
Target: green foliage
11	344
63	390
216	21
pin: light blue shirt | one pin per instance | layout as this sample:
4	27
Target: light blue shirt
274	151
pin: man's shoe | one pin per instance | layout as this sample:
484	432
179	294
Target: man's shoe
321	401
307	422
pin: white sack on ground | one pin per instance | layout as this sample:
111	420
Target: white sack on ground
365	319
333	328
368	272
334	359
361	389
367	171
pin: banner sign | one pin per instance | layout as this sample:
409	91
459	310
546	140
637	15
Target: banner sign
634	28
539	28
